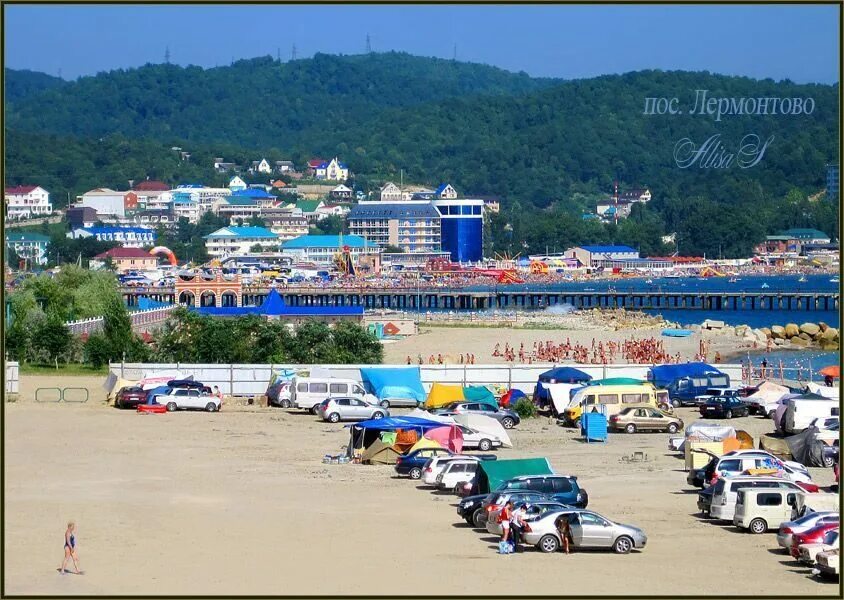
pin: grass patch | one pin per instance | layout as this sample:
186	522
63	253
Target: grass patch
69	369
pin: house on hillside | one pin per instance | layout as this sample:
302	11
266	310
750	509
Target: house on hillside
284	166
27	201
126	259
340	193
261	166
237	241
236	184
81	216
390	192
149	191
107	202
310	209
224	167
31	247
332	170
445	192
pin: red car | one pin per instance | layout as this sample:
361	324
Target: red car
809	487
130	397
813	536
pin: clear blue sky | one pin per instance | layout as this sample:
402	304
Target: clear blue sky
795	42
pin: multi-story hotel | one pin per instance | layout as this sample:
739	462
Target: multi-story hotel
412	226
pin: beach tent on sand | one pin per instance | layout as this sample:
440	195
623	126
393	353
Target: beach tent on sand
479	393
570	375
806	448
442	394
510	397
380	453
404	383
424	443
486	425
491	473
446	436
365	433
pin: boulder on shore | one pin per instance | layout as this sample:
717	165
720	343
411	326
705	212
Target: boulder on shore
830	334
766	331
799	341
809	328
792	330
828	345
823	326
777	332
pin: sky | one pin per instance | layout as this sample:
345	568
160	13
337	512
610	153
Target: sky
800	43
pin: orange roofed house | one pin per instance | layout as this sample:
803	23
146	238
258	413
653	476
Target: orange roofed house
127	259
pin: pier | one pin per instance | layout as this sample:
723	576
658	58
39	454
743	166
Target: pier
501	298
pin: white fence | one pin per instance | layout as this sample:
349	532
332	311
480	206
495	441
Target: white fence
12	377
252	380
139	318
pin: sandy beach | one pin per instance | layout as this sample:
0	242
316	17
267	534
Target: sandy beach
239	502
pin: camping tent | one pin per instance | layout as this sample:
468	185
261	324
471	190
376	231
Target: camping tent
380	453
776	446
405	382
510	397
542	397
114	383
425	443
479	393
767	393
806	448
447	436
486	425
491	473
365	433
663	375
442	394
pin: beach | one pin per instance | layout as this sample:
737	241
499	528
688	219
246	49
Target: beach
239	502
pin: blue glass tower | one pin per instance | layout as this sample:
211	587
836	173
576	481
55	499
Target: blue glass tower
462	228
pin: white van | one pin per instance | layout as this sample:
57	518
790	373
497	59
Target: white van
762	509
799	413
723	506
308	392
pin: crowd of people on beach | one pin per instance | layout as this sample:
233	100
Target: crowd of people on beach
635	351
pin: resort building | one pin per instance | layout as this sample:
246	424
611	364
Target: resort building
128	237
236	241
31	247
27	201
126	259
323	249
412	226
462	228
601	256
105	201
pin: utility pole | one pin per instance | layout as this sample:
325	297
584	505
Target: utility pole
278	54
293	53
368	45
454	56
60	73
167	55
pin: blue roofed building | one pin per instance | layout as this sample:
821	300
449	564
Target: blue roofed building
238	241
322	249
128	237
412	226
445	191
601	256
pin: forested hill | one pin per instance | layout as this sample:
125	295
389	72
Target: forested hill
22	83
256	102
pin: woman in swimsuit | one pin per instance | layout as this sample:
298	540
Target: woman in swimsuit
70	548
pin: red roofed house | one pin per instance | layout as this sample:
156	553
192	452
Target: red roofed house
313	165
147	191
27	201
127	259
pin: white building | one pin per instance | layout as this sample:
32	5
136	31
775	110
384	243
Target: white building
322	249
31	247
205	197
128	237
237	241
27	201
105	201
236	183
261	166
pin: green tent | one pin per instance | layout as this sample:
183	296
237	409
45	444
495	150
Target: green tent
617	381
493	472
479	393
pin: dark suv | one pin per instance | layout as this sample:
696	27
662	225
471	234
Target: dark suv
562	488
130	397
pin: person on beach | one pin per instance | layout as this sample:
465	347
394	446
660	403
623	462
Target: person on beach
70	548
218	394
504	520
517	526
564	529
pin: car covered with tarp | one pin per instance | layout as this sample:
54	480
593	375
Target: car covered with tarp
443	394
491	474
403	383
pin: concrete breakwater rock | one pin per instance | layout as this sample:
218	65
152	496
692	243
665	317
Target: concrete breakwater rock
790	335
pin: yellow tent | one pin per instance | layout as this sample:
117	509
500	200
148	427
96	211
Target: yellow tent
442	394
424	443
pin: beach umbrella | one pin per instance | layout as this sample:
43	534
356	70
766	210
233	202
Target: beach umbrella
448	436
831	371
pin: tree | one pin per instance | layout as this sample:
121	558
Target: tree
390	249
256	221
53	339
330	225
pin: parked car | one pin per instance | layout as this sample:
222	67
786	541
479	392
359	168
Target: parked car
562	488
533	511
723	506
456	472
724	407
761	509
130	397
435	465
496	501
805	546
478	440
589	530
713	393
349	409
308	393
808	521
413	463
828	563
470	507
738	461
634	419
182	398
507	417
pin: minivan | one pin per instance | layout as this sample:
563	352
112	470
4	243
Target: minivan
761	509
308	392
613	398
723	506
800	412
684	389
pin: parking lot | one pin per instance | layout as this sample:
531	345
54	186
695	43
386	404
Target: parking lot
239	502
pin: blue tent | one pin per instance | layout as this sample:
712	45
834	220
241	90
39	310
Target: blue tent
542	397
275	306
405	382
151	394
663	375
394	423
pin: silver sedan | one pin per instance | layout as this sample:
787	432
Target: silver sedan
349	409
588	529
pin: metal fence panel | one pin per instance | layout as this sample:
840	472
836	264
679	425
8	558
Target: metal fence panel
48	395
74	394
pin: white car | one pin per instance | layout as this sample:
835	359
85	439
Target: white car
827	563
455	472
808	553
479	440
178	398
437	464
